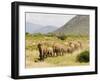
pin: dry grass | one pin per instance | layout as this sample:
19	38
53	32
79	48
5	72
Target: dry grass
32	54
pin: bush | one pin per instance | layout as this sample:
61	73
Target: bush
62	37
38	35
50	35
83	57
27	33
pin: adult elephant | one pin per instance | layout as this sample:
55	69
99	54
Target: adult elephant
42	51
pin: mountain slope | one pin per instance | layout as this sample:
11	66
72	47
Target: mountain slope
79	25
46	29
31	28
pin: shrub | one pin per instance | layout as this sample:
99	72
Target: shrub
27	33
62	37
38	35
50	35
83	57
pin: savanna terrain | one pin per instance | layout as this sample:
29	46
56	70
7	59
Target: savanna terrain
68	59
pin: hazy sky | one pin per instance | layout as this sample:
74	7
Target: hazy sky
48	19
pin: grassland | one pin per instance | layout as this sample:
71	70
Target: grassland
32	53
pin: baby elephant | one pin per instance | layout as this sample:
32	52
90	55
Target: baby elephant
49	51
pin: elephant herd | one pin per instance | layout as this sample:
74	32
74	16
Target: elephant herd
57	49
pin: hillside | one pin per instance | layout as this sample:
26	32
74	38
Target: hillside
36	28
46	29
79	25
31	27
